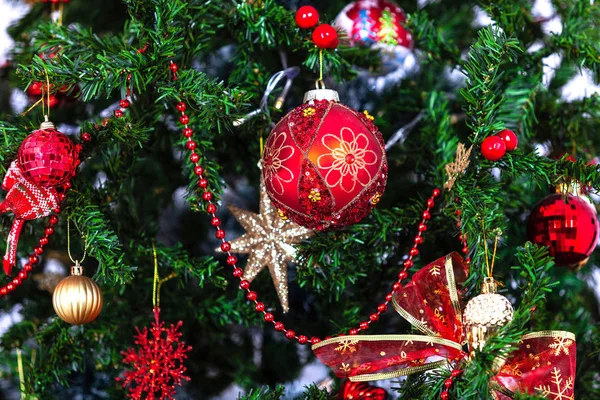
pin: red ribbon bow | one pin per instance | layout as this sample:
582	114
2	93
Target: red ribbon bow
27	201
544	363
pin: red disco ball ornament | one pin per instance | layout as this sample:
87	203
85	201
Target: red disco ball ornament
47	156
569	229
324	164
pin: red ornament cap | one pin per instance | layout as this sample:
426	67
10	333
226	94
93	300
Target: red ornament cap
510	139
325	37
47	156
307	17
493	148
324	164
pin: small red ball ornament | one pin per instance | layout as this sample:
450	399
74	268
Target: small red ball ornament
570	229
510	139
325	37
47	156
307	17
324	164
493	148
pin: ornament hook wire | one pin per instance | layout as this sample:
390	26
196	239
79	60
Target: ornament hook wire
319	83
85	247
157	282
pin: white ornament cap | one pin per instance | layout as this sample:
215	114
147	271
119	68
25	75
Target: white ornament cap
47	124
321	94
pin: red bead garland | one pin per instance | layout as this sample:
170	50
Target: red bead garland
268	317
124	103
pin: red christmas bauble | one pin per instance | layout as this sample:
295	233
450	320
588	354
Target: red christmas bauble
375	21
307	17
493	148
325	37
510	139
47	157
570	230
324	164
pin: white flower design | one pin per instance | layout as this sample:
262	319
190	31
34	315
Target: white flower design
347	160
275	154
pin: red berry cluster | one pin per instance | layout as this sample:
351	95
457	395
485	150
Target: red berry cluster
445	395
124	103
494	147
252	296
324	36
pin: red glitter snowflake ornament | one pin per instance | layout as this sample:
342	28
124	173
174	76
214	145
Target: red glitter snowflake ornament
158	363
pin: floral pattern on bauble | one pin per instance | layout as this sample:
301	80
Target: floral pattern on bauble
347	160
276	153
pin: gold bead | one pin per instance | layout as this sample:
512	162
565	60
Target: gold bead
77	299
486	314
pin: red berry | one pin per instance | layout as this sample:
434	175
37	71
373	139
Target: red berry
307	17
124	103
493	148
325	37
35	89
173	67
86	137
510	139
118	113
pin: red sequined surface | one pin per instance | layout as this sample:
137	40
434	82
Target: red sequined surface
157	363
570	230
47	157
324	165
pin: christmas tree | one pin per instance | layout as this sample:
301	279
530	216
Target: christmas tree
367	232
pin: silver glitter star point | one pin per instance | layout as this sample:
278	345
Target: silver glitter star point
269	241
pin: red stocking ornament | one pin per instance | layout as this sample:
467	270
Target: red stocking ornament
46	160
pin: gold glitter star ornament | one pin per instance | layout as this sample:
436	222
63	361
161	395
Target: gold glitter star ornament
269	241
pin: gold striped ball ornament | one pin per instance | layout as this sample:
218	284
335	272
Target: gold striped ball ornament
77	299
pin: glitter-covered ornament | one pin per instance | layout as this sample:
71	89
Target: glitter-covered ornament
324	164
47	156
269	242
158	362
379	24
486	314
77	299
568	225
